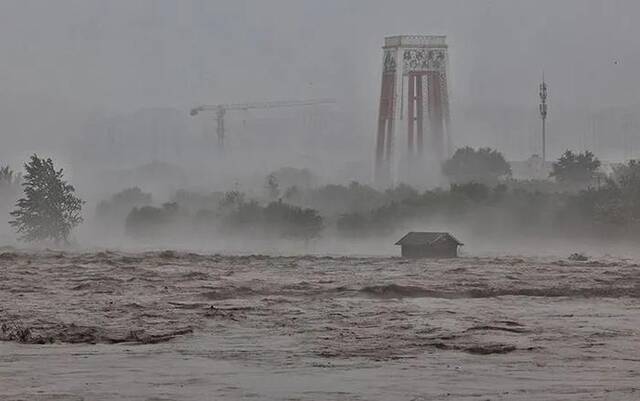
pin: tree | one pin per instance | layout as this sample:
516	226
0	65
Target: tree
627	177
50	209
8	178
577	169
400	193
484	165
473	191
148	220
9	191
620	202
231	201
292	194
292	221
9	185
272	186
291	176
120	204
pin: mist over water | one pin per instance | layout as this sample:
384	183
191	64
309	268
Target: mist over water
267	268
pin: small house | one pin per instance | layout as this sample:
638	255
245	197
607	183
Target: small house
429	245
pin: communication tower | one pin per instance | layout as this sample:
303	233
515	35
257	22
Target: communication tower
543	116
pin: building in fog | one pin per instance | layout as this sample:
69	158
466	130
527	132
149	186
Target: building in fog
414	99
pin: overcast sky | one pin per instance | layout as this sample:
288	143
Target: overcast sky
77	56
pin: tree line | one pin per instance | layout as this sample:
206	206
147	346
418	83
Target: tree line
576	199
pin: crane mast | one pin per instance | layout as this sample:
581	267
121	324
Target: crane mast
221	109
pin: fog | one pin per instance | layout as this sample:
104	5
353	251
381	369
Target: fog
411	225
104	88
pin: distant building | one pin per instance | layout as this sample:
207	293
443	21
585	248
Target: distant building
429	245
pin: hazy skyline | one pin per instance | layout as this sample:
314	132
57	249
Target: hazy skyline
66	59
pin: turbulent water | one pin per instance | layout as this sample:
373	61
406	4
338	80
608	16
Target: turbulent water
180	326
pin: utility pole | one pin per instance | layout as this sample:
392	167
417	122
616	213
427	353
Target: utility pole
543	116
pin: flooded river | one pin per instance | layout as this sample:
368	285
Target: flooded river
180	326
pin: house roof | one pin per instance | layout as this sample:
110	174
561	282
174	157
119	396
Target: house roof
426	238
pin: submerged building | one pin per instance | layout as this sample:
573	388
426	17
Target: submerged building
429	245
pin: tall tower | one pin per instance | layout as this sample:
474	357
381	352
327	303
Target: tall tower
543	116
414	90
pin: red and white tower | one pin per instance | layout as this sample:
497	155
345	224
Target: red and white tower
414	100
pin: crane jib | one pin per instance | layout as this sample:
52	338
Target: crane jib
221	109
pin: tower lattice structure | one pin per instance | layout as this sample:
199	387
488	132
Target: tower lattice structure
414	100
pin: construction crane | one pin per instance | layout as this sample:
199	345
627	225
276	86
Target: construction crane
221	110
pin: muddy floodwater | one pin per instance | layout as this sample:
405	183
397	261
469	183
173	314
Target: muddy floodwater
179	326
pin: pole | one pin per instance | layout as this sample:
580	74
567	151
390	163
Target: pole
220	128
544	139
543	116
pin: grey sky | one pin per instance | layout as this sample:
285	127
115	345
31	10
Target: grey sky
77	56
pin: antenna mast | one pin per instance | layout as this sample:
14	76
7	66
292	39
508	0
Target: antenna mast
543	116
